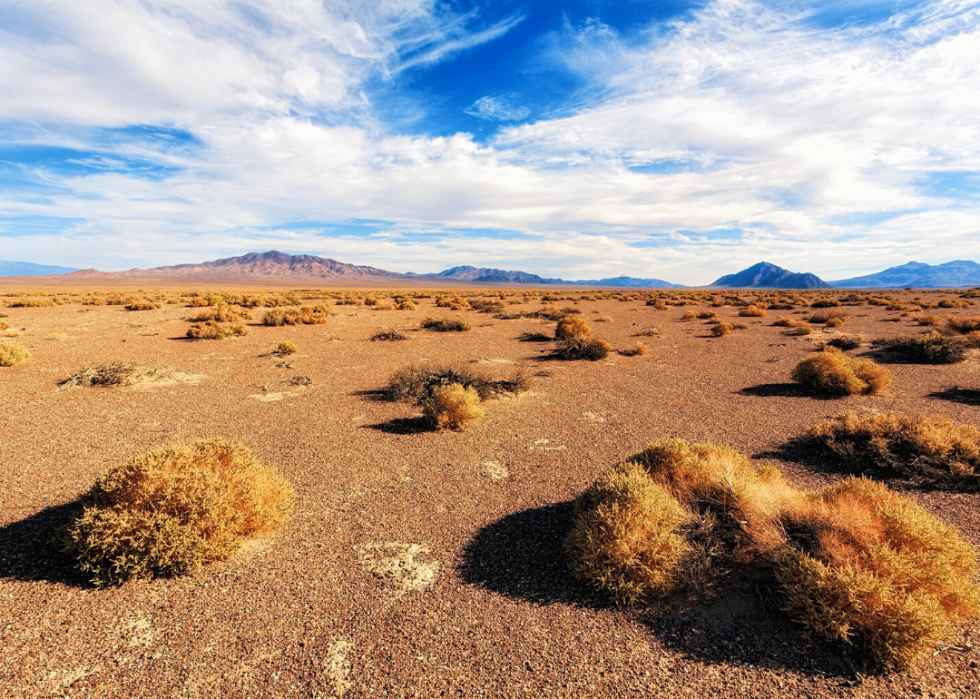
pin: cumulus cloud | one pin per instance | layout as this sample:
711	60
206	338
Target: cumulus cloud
738	133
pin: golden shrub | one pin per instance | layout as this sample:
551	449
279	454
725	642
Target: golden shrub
452	406
174	509
11	353
835	373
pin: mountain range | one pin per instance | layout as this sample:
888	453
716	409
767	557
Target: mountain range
10	268
276	267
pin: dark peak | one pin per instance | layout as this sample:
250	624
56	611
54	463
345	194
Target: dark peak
765	275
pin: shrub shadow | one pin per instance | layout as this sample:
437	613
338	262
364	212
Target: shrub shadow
967	396
376	395
28	552
402	425
775	390
522	556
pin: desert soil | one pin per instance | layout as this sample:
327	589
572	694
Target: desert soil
419	563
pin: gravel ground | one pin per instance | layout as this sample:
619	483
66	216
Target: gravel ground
419	564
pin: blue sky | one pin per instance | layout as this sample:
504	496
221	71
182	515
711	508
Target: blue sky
652	138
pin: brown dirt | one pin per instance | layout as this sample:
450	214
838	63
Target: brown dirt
421	563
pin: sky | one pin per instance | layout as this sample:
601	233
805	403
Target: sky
583	139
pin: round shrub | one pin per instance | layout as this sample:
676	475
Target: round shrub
174	509
721	329
573	329
625	541
834	373
452	406
11	354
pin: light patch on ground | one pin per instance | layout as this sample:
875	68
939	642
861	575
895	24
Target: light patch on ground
337	667
546	445
495	470
406	567
593	417
58	681
488	360
272	397
137	630
129	375
58	337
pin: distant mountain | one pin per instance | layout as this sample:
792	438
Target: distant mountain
9	268
768	276
271	266
919	275
634	282
489	275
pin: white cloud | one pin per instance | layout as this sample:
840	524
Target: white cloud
739	134
497	109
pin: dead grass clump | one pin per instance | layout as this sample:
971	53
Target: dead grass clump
721	329
174	509
836	374
388	336
222	313
785	322
963	326
872	568
416	383
603	319
825	303
752	311
575	341
452	406
4	325
855	562
689	316
572	329
931	449
928	348
802	328
33	303
142	306
635	349
929	320
306	315
11	354
119	374
284	349
443	325
626	540
845	343
825	317
211	330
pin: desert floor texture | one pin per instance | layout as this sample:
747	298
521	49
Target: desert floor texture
422	563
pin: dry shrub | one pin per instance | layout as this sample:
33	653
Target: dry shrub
931	448
452	406
855	563
416	383
689	316
406	305
635	349
4	325
953	303
801	328
626	540
752	311
174	509
211	330
306	315
388	336
845	343
222	313
785	322
603	319
836	374
593	349
825	303
721	329
872	568
285	348
142	306
649	332
11	354
444	325
827	316
33	303
572	329
709	316
928	348
929	320
657	303
119	374
963	326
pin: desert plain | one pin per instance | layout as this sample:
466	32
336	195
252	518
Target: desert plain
420	562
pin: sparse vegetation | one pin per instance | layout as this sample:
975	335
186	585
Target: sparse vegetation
752	311
855	562
222	313
388	336
845	343
285	348
721	329
416	383
173	510
11	354
119	374
574	339
306	315
141	306
444	325
928	348
635	349
836	374
452	406
931	449
212	330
